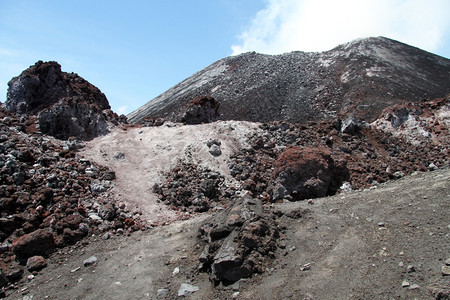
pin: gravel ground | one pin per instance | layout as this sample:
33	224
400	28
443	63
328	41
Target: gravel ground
389	241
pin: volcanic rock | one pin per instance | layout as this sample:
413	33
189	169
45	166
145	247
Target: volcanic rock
36	263
239	241
39	242
201	110
302	173
65	104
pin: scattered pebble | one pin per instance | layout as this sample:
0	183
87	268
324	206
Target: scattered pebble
305	267
405	283
176	271
410	269
414	287
187	289
90	261
445	270
161	292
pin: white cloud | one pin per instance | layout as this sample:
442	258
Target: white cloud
122	110
317	25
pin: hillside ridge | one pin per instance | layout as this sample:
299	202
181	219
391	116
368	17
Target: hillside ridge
361	77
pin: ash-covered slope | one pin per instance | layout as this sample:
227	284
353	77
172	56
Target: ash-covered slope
361	78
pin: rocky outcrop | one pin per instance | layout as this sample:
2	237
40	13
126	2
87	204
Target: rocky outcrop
201	110
418	123
360	78
65	105
303	173
240	241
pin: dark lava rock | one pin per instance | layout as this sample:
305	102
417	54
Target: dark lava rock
302	173
39	242
240	241
201	110
107	212
65	104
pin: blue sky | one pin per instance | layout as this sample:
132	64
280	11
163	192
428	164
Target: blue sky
135	50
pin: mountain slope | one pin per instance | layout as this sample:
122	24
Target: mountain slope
361	77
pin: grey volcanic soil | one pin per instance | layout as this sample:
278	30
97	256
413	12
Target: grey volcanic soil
359	246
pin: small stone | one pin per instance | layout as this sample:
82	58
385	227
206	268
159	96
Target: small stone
215	150
106	236
187	289
405	283
36	263
176	271
161	292
119	156
414	287
381	224
292	248
445	270
410	269
30	277
90	261
400	264
305	267
235	295
447	262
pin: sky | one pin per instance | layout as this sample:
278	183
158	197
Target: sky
135	50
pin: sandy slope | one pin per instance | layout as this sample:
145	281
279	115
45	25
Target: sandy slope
151	151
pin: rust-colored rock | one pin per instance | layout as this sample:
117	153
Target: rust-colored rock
39	242
302	173
36	263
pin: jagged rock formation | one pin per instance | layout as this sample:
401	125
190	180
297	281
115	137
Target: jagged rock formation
239	241
65	105
361	77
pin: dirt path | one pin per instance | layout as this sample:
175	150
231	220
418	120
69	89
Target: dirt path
359	245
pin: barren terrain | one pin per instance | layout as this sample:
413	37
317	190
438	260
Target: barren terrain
358	245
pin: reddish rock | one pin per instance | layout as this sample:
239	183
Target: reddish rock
39	242
36	263
73	221
302	173
72	236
